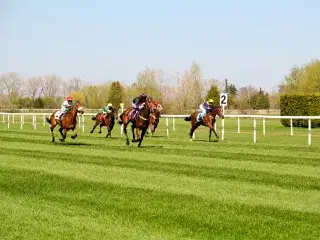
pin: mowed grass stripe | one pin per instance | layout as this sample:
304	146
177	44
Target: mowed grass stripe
223	190
187	216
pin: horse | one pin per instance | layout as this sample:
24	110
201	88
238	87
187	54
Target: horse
208	121
154	121
105	120
141	122
68	122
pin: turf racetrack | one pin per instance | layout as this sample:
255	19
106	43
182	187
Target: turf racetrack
97	188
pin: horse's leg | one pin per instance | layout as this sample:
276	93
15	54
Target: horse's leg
60	131
52	126
75	134
125	132
133	136
109	132
64	135
138	134
101	125
94	127
214	131
193	128
143	132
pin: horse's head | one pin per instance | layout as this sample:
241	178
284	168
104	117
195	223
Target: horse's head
115	113
218	111
79	107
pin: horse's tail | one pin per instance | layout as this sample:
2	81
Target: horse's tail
188	119
48	120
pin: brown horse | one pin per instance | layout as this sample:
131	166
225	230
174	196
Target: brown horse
68	122
105	120
154	121
141	122
209	120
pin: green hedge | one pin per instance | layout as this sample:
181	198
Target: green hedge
300	105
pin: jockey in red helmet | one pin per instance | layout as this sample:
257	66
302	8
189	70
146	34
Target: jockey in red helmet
67	105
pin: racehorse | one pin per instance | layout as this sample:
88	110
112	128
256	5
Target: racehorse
140	122
105	120
68	121
209	120
154	121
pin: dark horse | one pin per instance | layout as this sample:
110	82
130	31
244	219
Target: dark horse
105	120
141	122
209	120
68	122
154	121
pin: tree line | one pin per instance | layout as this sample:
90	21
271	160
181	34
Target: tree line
179	94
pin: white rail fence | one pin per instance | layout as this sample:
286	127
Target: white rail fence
14	118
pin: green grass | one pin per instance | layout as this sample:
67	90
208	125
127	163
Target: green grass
171	188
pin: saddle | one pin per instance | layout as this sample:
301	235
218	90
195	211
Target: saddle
58	115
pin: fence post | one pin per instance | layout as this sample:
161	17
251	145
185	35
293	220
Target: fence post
291	127
82	125
167	126
173	124
222	129
309	131
44	120
254	130
8	120
264	126
34	122
238	125
21	121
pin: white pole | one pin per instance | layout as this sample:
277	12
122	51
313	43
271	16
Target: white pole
44	120
173	124
167	126
194	135
35	122
291	127
254	130
21	121
82	123
8	120
79	121
222	125
238	125
264	126
309	131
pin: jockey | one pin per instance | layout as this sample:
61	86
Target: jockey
138	103
159	107
66	105
205	107
107	109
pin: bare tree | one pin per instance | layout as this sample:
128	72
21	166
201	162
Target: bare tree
33	87
72	85
11	83
50	85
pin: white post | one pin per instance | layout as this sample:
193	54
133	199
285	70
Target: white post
79	121
238	125
291	127
194	135
8	120
264	126
21	121
173	124
82	125
44	120
35	122
254	130
12	118
167	126
309	131
222	125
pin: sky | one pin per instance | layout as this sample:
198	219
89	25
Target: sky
249	42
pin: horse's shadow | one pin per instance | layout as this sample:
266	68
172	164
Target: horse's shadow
73	143
202	140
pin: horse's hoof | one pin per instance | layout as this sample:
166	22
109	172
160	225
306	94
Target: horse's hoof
128	143
73	137
53	140
100	132
133	140
61	139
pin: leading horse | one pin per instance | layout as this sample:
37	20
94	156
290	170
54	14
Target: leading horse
107	120
140	122
68	122
154	121
208	120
